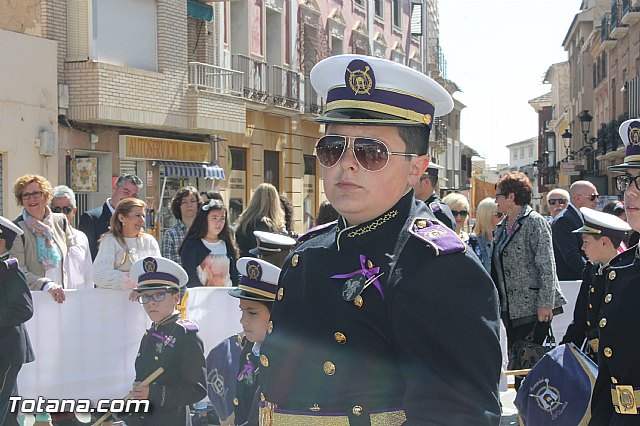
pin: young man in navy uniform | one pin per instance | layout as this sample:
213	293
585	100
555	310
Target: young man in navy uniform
171	343
616	396
16	308
382	318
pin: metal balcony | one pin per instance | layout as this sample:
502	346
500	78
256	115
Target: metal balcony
285	88
312	101
255	76
606	40
618	29
630	14
214	79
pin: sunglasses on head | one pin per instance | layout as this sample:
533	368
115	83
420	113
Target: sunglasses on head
65	209
561	201
371	154
462	213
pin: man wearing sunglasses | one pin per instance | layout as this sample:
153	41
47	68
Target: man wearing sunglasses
567	246
77	264
424	190
557	200
373	312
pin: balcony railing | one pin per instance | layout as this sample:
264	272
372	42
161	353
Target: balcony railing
286	88
256	77
618	29
312	101
215	79
630	13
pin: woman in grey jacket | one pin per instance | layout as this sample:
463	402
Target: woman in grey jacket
523	267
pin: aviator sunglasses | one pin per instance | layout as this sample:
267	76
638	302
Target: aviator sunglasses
371	154
561	201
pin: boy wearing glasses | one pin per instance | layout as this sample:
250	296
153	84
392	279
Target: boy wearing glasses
171	343
372	312
616	394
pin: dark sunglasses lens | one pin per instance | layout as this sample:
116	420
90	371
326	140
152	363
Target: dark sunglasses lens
593	197
499	214
370	153
329	149
463	213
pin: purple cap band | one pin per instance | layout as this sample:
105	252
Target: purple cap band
259	285
607	232
384	97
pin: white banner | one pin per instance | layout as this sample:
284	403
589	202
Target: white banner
87	346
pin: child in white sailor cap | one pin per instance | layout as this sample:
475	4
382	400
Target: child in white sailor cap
256	291
272	247
171	343
602	234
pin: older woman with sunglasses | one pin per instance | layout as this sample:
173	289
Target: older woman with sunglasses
523	267
78	264
557	200
47	237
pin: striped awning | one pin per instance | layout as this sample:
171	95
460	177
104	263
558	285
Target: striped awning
183	169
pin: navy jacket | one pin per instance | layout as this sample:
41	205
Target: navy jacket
587	307
619	346
441	211
16	308
94	223
567	246
405	344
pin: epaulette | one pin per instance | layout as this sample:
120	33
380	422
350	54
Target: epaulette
435	207
316	230
11	263
438	236
188	325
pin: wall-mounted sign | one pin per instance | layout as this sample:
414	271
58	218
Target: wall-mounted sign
144	148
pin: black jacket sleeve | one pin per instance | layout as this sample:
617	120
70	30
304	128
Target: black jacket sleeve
451	366
576	331
565	245
16	305
88	226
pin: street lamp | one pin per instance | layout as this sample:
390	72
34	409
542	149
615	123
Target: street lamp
585	124
566	139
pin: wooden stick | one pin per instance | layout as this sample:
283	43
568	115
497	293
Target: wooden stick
129	396
516	372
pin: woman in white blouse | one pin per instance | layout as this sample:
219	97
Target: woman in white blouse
125	243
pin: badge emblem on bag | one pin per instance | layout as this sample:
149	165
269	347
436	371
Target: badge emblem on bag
547	397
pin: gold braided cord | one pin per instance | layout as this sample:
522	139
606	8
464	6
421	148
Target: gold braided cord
373	225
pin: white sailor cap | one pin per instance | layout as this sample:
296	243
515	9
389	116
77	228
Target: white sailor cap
630	134
433	169
271	243
9	230
258	280
365	90
600	223
156	272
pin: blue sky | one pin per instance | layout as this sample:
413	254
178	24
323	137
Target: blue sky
497	52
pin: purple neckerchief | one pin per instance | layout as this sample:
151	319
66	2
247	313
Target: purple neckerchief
247	370
166	340
369	273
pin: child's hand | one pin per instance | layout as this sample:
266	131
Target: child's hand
139	391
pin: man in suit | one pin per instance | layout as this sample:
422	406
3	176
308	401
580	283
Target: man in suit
95	222
16	308
570	259
424	190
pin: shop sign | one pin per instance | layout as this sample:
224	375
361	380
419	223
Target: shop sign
570	168
144	148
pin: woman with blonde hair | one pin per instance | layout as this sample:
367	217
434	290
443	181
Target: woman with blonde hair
43	247
125	243
264	213
459	206
487	218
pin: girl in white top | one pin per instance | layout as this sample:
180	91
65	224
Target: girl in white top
125	243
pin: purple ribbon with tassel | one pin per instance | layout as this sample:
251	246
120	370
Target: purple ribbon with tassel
369	273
